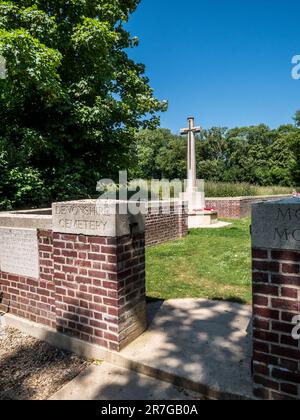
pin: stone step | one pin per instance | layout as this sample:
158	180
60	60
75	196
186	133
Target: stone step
106	382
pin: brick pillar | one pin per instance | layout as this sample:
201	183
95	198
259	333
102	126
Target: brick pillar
99	274
276	293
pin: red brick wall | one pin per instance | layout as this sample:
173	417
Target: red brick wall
100	288
166	226
276	293
230	209
236	208
30	298
92	288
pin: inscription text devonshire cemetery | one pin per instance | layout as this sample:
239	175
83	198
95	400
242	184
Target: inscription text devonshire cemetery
19	252
80	218
90	218
277	225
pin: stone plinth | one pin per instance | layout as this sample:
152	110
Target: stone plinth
202	219
195	200
276	293
197	216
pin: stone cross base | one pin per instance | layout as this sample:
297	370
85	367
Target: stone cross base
195	200
202	219
197	215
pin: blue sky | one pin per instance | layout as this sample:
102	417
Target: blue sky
227	62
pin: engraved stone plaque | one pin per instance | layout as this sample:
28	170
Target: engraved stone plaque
19	252
94	218
276	224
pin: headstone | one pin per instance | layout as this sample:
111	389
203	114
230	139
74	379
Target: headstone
19	252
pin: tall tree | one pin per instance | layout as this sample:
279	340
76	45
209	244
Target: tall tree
297	118
256	155
159	154
73	98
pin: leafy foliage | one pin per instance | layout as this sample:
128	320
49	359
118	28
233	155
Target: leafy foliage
297	118
73	98
252	155
73	103
159	154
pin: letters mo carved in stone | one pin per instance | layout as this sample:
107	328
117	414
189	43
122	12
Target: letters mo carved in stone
287	215
276	224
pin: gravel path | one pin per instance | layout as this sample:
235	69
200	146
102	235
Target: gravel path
33	370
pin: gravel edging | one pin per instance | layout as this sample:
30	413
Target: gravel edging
31	369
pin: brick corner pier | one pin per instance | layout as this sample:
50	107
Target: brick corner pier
276	294
79	272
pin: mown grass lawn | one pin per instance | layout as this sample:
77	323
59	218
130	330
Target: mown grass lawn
209	263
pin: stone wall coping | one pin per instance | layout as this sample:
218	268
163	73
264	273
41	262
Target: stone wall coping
256	197
150	202
280	201
37	211
25	220
43	219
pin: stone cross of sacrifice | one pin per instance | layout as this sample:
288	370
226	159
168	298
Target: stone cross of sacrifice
191	160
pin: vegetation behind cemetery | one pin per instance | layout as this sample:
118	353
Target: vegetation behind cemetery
243	189
75	108
72	98
247	156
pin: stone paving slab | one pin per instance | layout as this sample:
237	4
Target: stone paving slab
107	382
196	344
201	345
218	225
